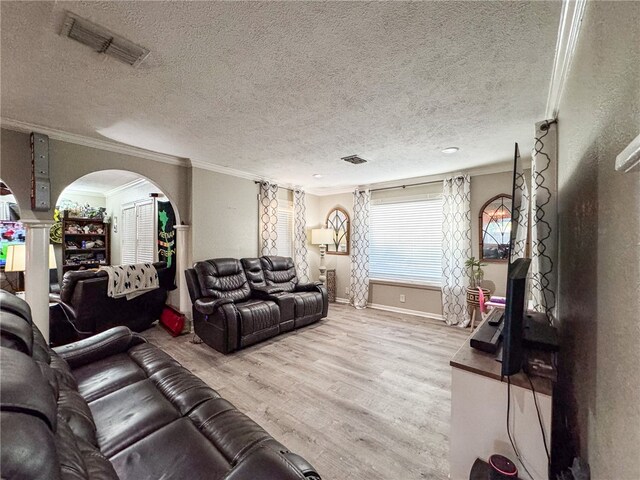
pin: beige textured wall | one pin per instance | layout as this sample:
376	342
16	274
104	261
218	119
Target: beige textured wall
599	215
68	162
225	216
484	187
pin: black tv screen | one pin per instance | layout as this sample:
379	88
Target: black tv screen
516	304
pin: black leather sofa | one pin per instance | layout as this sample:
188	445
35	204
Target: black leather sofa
114	406
237	303
83	307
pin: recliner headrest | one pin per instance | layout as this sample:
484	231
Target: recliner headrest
279	263
10	303
24	388
253	270
16	333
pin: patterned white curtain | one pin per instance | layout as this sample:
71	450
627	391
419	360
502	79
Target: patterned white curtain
268	207
521	217
456	249
544	210
359	287
300	235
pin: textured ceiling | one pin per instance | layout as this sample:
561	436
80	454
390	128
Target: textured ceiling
103	181
284	89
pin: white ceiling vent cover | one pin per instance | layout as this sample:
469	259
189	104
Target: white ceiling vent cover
355	159
102	40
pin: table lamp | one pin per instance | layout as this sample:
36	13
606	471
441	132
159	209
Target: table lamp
16	259
322	237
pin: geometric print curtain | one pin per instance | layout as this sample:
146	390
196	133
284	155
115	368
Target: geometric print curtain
456	249
544	210
520	216
268	206
359	281
300	235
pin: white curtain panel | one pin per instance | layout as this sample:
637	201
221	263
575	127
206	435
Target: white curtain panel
300	235
359	286
456	249
521	217
544	211
268	207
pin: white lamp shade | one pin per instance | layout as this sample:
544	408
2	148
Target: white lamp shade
321	236
16	258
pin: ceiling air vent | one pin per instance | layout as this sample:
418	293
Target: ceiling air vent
102	40
355	159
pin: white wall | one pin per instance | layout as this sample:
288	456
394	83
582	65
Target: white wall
94	200
225	216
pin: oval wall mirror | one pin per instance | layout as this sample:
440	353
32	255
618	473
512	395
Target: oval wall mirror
338	221
495	229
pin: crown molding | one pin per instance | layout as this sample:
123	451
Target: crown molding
18	126
225	170
83	191
568	33
126	186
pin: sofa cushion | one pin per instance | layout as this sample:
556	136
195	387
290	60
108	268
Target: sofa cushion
257	315
222	278
253	270
100	378
129	414
178	448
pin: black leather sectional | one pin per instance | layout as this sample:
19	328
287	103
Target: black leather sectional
114	406
237	303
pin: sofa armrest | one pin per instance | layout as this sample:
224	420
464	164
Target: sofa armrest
111	342
208	305
266	292
308	287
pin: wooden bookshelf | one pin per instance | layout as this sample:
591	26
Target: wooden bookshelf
76	234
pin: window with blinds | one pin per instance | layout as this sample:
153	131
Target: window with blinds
284	228
406	240
138	237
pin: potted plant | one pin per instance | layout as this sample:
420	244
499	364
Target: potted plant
476	274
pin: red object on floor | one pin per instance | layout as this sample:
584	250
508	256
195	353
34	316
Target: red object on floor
172	320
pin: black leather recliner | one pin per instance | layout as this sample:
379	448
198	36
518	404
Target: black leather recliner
237	303
311	300
225	314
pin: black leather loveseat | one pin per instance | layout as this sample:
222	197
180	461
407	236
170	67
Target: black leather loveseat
83	307
237	303
114	406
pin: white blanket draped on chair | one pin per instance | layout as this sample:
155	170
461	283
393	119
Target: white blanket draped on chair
131	281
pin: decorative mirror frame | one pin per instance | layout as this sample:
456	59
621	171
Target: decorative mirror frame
481	229
344	212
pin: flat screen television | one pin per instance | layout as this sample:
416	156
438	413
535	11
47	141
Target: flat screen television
517	291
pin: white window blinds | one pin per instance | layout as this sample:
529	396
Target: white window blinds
284	244
138	238
406	240
128	235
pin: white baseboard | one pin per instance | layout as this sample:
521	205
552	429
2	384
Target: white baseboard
388	308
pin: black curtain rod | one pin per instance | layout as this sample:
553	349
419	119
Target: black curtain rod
279	187
411	185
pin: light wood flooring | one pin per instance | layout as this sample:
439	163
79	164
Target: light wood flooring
362	394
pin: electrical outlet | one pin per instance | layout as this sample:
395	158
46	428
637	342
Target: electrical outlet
402	298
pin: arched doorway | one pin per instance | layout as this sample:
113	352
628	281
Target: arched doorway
12	239
114	217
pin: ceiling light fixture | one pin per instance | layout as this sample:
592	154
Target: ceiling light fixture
317	175
450	150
